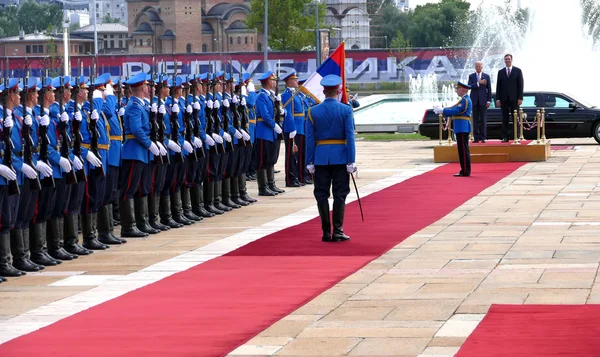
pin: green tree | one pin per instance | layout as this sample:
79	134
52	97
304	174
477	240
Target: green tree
290	23
9	24
375	6
38	16
394	23
399	41
107	19
437	24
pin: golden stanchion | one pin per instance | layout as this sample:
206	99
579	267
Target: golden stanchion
521	118
515	128
537	119
543	123
450	131
441	117
471	136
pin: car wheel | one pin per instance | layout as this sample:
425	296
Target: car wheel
596	131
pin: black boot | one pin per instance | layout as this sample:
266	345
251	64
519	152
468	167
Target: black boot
271	180
177	209
55	239
197	196
338	222
165	213
20	251
325	221
71	236
6	269
263	188
116	213
186	201
218	191
88	229
209	189
243	191
226	194
141	216
37	239
153	216
128	226
104	225
235	192
111	225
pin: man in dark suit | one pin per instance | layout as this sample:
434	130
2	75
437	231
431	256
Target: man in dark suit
509	92
481	94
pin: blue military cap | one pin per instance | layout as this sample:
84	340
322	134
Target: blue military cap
13	85
203	77
178	82
137	80
246	76
47	83
31	85
462	84
291	75
81	81
164	79
228	78
265	76
219	74
331	80
148	77
302	79
102	81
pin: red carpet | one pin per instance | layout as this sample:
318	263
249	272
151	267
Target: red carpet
536	330
214	307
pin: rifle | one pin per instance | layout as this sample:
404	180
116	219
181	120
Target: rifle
195	120
225	114
93	124
174	116
13	185
209	117
44	140
65	140
153	121
28	144
76	129
240	112
192	157
160	118
215	114
277	104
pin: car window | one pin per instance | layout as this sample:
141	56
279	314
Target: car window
553	101
529	101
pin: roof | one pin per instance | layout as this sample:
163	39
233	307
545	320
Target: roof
103	28
207	28
38	37
218	9
237	25
144	29
168	35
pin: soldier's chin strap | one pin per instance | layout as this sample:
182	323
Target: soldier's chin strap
357	196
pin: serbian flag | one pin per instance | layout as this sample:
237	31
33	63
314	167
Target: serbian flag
334	64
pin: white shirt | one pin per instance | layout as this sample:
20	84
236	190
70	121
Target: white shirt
508	69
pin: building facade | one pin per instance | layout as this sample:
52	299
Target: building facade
190	26
402	5
42	44
115	8
352	18
112	38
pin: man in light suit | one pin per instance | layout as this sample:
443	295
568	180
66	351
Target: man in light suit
509	92
481	95
330	154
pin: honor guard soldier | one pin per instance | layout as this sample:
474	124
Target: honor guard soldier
307	102
330	153
10	95
266	136
293	108
250	96
221	104
461	118
239	191
234	137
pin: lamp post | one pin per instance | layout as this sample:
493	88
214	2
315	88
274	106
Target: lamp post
66	48
386	43
266	39
95	30
318	34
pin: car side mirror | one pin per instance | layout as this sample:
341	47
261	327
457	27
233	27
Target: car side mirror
573	106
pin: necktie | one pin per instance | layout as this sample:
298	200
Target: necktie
508	70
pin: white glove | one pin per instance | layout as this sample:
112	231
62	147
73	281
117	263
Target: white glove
244	91
121	111
217	138
251	87
189	109
196	106
27	120
226	103
45	120
245	135
7	173
197	142
109	90
351	168
277	129
243	102
311	168
94	115
278	98
64	117
187	147
438	110
175	108
29	172
154	149
154	108
43	168
216	104
227	137
173	146
162	109
235	99
209	140
161	147
97	94
8	122
78	116
65	165
209	104
292	134
282	112
237	134
77	164
92	159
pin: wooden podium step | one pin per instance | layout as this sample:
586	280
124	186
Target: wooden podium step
490	158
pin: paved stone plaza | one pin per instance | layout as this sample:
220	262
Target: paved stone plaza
529	239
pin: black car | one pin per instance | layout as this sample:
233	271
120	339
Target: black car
566	117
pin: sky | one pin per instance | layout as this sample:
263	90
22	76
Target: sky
524	3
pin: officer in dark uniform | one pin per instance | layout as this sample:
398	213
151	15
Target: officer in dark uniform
461	118
330	153
300	138
250	95
239	192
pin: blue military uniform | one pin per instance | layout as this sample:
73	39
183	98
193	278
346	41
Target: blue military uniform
461	118
293	108
330	149
239	193
307	102
251	97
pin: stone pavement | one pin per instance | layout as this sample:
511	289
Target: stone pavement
528	239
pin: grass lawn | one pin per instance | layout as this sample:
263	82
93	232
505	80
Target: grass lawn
390	136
